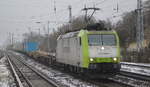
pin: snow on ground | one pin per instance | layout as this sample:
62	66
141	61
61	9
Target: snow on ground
131	81
6	79
137	69
59	77
72	82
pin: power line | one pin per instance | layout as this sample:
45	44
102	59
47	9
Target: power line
101	2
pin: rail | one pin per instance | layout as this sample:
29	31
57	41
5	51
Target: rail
35	71
135	75
14	73
136	64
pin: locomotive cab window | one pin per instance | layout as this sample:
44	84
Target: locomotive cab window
103	39
94	40
109	40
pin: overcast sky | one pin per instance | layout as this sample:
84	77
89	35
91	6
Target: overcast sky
16	16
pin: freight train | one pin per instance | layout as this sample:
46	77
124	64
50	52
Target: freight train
85	51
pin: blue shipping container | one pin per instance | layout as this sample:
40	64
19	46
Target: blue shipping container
31	46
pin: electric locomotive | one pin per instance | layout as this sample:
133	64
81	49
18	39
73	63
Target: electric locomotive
91	50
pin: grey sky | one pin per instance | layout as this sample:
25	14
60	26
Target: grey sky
17	16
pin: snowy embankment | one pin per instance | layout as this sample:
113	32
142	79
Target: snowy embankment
6	79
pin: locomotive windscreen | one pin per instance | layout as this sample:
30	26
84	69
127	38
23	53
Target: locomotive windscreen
102	39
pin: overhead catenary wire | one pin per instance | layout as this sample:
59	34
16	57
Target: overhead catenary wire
101	2
61	16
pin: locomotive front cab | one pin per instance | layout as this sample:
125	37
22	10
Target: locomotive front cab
102	45
104	51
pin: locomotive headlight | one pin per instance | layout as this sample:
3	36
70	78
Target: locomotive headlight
102	48
115	59
91	59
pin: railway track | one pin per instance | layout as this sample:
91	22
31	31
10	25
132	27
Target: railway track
26	76
110	83
137	65
124	79
95	82
133	78
135	75
138	71
130	82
